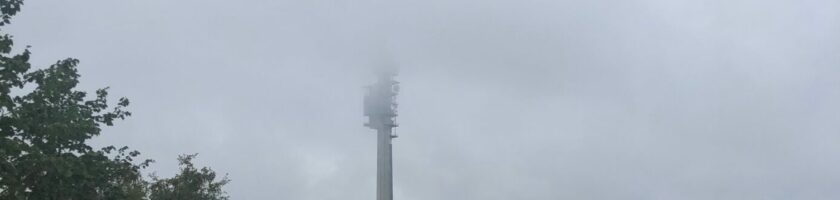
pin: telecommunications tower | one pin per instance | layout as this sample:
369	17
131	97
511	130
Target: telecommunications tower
381	110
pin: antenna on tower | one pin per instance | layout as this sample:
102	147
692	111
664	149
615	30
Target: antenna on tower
380	102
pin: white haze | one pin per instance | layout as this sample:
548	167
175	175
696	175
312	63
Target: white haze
529	99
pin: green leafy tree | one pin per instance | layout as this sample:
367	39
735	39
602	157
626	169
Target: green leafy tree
44	128
191	184
45	124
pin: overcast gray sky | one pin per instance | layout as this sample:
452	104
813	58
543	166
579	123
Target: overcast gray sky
526	99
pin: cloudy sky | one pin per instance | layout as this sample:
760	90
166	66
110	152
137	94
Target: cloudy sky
526	99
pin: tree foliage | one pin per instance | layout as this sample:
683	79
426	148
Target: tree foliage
45	128
190	184
45	124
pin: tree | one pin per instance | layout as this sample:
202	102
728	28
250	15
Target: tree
44	130
190	184
45	124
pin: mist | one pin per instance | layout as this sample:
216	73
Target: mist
532	99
